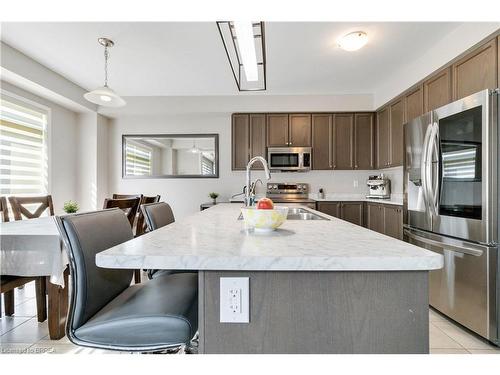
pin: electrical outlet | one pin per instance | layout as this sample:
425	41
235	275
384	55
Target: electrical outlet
356	183
234	300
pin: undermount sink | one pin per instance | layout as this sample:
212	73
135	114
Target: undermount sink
297	213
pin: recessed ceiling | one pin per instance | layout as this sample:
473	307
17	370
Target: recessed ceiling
188	58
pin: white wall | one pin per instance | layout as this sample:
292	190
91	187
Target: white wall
30	75
102	171
63	139
92	151
185	195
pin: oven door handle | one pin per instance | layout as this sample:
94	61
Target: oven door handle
464	249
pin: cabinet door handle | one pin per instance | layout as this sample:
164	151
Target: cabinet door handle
290	143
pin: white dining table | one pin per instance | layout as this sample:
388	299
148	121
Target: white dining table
34	248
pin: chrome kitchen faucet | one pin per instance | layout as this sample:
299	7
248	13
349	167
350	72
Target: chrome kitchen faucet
249	196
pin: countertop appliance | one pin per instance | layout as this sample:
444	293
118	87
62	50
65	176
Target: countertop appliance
293	194
289	159
451	178
379	187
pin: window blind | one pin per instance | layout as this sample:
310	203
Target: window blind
23	149
138	160
207	166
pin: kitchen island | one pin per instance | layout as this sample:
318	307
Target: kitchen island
319	286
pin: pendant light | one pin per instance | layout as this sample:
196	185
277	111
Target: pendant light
104	96
194	149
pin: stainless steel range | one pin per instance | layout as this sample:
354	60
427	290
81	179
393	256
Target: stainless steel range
293	194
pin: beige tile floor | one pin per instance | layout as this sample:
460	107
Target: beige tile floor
23	334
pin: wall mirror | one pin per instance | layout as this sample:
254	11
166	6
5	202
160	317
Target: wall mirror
170	156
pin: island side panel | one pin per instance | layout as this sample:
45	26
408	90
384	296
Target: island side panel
321	312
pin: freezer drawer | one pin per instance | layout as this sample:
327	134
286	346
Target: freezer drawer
465	288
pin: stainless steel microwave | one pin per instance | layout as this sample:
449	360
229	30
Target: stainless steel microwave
289	158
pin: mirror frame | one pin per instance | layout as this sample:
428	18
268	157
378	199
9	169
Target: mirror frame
210	135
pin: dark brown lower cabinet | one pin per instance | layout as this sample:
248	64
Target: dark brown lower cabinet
330	208
393	221
385	219
352	212
348	211
375	217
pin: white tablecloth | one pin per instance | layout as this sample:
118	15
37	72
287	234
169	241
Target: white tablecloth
32	248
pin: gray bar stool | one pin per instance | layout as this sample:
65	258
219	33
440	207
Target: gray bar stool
158	215
105	311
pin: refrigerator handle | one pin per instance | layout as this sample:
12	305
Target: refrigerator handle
434	151
424	166
464	249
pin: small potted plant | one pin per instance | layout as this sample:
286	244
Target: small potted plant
214	197
70	207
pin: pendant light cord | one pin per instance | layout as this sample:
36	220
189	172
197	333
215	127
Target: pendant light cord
106	57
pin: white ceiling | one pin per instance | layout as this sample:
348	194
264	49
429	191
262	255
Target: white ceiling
168	58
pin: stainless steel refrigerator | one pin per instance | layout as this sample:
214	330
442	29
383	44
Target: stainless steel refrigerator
451	178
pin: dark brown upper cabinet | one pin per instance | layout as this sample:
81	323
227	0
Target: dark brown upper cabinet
383	140
277	130
364	141
258	138
322	139
437	90
285	130
476	71
397	119
240	133
300	130
414	103
248	139
343	141
390	122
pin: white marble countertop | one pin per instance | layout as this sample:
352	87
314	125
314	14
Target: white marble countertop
342	197
215	240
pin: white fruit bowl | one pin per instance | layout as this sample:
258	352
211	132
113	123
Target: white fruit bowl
264	220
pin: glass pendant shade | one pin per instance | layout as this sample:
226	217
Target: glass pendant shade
105	97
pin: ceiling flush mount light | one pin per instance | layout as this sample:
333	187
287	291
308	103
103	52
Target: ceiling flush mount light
105	96
244	43
353	41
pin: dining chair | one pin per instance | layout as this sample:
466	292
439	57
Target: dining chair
8	283
158	215
4	210
140	225
19	209
128	205
107	312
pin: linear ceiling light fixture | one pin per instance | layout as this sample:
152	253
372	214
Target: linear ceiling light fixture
104	96
244	43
